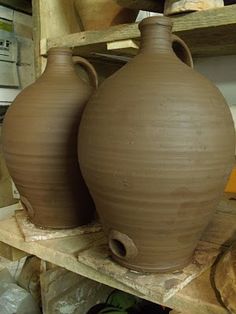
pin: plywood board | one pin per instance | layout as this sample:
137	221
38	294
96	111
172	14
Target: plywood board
199	297
161	286
11	253
34	233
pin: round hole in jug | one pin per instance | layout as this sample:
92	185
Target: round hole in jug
117	248
122	245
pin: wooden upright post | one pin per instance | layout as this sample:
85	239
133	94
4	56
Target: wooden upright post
52	18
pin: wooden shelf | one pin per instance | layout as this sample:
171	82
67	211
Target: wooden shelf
207	33
86	255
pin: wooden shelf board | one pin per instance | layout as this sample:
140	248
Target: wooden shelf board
64	253
207	33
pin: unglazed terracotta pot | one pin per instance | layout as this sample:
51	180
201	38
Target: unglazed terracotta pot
99	14
40	144
156	146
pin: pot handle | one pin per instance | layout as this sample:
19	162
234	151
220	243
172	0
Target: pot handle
182	51
89	68
121	245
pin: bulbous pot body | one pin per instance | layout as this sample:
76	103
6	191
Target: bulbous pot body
40	145
156	146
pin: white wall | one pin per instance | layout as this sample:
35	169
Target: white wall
222	72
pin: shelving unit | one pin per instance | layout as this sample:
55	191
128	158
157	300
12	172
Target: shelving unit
86	255
207	33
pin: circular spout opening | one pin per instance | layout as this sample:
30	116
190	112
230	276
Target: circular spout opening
121	245
117	248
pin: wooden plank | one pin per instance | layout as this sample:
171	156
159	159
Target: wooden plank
32	233
11	253
52	18
114	33
205	19
156	287
183	6
57	18
198	297
124	47
38	60
209	32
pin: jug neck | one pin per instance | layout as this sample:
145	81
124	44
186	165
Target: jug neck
59	60
156	33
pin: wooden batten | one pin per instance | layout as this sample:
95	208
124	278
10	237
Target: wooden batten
127	47
51	19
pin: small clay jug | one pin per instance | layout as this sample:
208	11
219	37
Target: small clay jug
156	146
40	143
99	14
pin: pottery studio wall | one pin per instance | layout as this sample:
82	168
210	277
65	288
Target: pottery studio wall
16	74
221	70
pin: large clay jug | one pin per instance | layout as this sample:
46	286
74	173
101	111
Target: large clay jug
156	146
40	144
99	14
